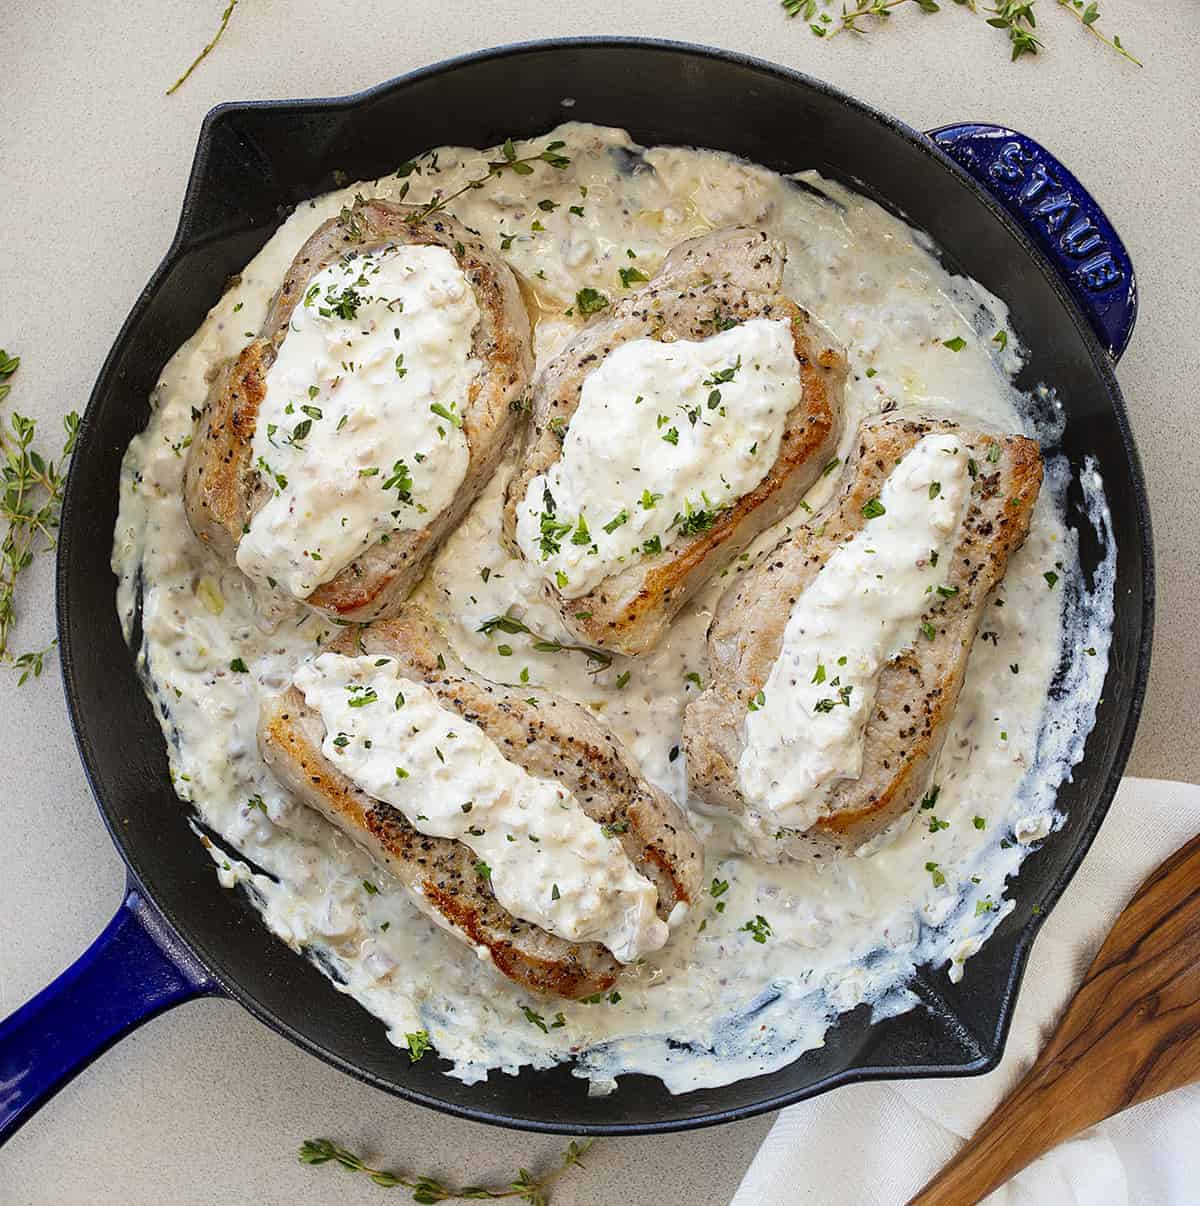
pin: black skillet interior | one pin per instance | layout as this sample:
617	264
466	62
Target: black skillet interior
254	163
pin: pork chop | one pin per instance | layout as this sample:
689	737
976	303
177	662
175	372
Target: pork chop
223	490
918	690
705	286
550	738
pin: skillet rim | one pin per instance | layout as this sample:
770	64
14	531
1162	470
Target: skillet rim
73	508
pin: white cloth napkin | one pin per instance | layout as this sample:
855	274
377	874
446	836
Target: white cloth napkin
877	1144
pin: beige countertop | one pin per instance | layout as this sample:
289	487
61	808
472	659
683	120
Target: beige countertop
205	1105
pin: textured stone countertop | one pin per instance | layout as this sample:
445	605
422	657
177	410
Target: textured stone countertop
205	1105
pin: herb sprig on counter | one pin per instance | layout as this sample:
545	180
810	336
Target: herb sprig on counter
1016	18
525	1187
29	508
208	49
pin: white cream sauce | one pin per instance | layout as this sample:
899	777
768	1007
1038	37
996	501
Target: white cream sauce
714	1005
360	433
804	730
663	431
548	862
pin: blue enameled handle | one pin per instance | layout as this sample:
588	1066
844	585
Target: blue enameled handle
131	973
1059	215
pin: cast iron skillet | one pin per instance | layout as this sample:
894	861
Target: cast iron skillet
1004	210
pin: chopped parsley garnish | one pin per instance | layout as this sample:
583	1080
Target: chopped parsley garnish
401	371
361	696
631	276
649	500
483	870
695	522
947	592
653	546
555	894
449	415
830	466
372	890
535	1019
723	376
1051	579
418	1044
939	878
929	630
759	701
935	824
401	773
718	887
930	798
693	677
759	928
401	482
1001	337
956	344
671	435
993	454
621	517
589	301
551	531
873	508
622	680
980	823
819	673
935	488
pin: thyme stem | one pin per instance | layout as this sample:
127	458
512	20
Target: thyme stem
525	1187
1087	16
208	49
521	166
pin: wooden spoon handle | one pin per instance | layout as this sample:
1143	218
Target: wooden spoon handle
1131	1032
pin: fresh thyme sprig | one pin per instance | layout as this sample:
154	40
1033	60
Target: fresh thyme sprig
29	507
1016	18
513	626
1087	15
427	1190
522	166
208	49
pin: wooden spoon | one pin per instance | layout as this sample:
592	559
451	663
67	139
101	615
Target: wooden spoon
1132	1032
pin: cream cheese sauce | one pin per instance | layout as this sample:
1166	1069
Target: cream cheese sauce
547	861
804	731
715	1004
663	432
360	433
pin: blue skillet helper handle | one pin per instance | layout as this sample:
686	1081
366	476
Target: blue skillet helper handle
136	969
1059	215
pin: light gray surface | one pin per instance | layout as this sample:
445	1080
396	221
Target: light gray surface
205	1105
